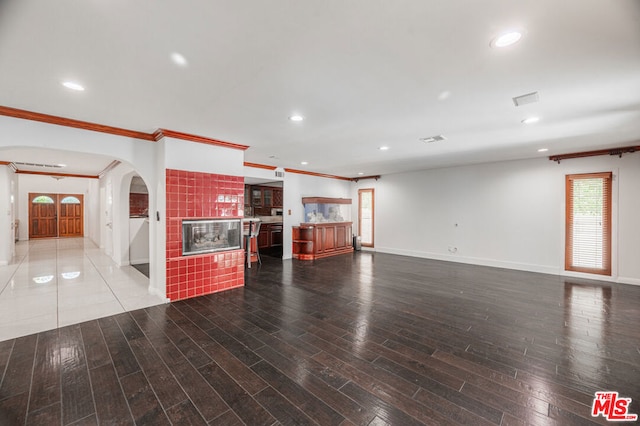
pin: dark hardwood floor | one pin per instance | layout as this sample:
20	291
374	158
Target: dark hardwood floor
366	339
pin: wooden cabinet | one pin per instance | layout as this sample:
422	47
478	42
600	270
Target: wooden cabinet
263	237
264	196
267	197
318	240
256	197
278	197
270	235
275	234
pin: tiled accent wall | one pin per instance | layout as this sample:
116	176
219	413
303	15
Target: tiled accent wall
193	195
138	204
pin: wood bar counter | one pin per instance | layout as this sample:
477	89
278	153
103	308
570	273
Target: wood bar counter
317	240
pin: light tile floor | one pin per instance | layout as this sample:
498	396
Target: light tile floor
58	282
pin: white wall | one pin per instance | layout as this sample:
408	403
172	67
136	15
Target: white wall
46	184
203	158
6	243
506	214
297	186
254	172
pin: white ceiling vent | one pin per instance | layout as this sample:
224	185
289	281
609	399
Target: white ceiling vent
49	166
529	98
432	139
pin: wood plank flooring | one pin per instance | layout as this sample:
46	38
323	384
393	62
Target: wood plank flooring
363	339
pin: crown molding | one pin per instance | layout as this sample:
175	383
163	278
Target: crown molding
161	133
323	175
70	122
259	166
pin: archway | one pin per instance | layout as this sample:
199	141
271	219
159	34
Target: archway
139	225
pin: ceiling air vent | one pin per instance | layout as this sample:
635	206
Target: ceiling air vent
529	98
50	166
432	139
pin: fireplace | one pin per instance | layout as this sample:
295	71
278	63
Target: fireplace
210	235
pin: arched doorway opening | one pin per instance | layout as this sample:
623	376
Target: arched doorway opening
139	225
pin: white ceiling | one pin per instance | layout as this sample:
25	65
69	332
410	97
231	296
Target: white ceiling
363	73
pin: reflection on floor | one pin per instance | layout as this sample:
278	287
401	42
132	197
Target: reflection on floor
58	282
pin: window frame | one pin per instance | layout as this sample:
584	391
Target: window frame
607	226
373	209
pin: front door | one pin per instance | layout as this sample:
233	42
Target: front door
56	215
43	216
71	214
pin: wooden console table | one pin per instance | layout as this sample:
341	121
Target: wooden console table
317	240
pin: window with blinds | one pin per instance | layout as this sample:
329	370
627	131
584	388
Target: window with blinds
588	223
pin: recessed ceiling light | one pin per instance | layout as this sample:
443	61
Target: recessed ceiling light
360	173
530	120
178	59
304	163
296	117
507	39
543	150
383	148
444	95
61	165
73	85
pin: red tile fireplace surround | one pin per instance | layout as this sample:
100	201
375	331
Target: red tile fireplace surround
194	195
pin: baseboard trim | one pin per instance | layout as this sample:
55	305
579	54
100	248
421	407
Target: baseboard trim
472	260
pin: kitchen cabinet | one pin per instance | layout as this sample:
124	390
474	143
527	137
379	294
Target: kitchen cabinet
263	196
270	235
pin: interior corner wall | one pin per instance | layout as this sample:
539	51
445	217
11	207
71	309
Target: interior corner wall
297	186
506	214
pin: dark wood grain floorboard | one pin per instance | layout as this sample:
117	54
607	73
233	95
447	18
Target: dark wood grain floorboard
45	382
5	352
306	401
17	376
123	359
49	415
13	409
95	348
77	397
111	406
145	407
247	408
363	339
185	413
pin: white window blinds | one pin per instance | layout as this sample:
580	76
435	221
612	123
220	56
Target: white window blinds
588	223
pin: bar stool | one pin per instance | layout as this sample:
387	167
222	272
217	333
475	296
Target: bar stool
251	235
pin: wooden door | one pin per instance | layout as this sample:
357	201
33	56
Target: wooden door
56	215
43	215
70	220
